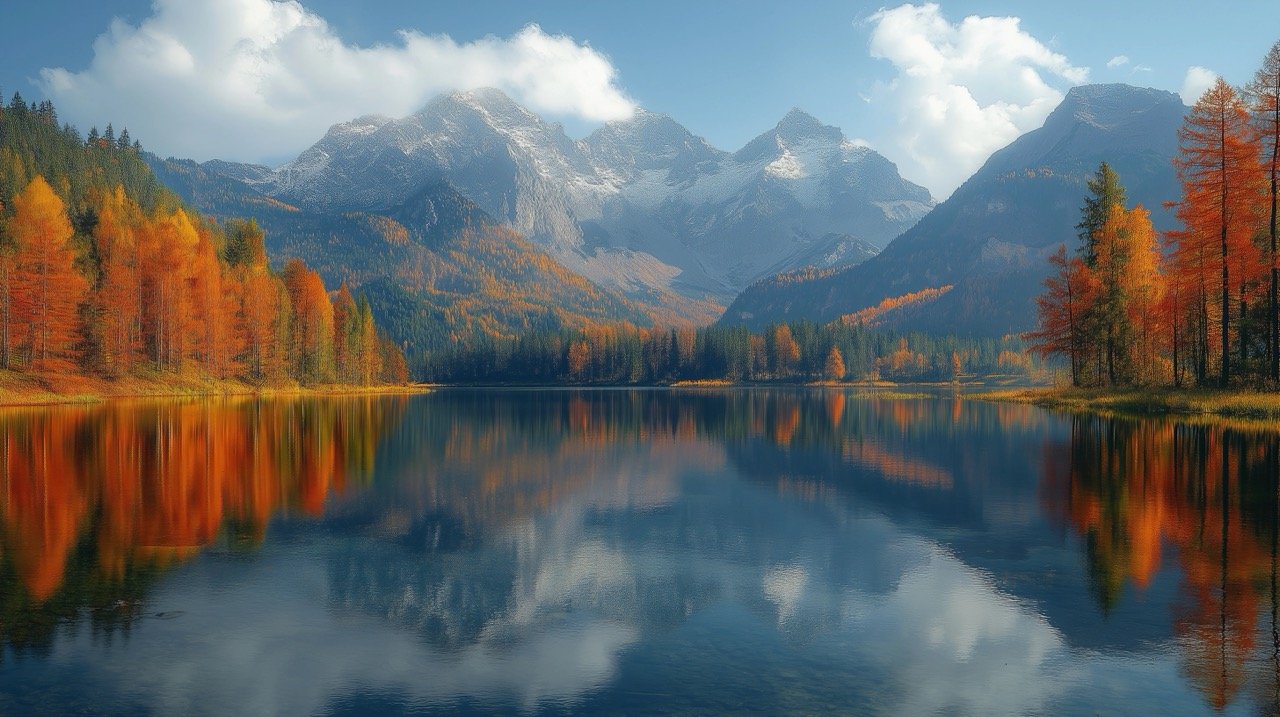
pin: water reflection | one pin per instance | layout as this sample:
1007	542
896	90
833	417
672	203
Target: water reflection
96	502
634	551
1208	493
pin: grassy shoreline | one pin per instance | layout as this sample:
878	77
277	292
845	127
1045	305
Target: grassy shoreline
1235	403
18	389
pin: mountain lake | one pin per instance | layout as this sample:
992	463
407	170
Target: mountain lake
667	551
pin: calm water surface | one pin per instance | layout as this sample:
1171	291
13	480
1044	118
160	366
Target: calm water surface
625	552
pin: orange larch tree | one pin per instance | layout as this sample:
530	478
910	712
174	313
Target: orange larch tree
1147	288
7	252
258	302
262	307
1127	261
1190	261
214	318
346	335
786	352
312	327
395	368
1221	180
1069	295
118	299
834	369
579	358
1264	96
370	355
47	288
169	247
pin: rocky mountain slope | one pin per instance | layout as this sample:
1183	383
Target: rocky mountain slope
436	267
991	239
641	205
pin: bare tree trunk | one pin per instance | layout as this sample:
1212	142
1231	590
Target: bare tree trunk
1226	292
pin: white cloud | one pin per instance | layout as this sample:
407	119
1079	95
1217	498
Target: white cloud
1196	83
1140	68
247	79
962	90
266	638
1118	61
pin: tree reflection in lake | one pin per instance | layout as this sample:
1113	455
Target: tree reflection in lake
1209	493
96	501
632	551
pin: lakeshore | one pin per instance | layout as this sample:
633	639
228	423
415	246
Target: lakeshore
1231	403
20	389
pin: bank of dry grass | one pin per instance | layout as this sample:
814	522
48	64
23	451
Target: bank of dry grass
1147	401
21	389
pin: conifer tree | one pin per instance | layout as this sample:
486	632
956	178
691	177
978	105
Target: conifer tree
1264	94
1221	179
370	355
47	288
346	336
1105	192
311	341
834	369
117	333
8	250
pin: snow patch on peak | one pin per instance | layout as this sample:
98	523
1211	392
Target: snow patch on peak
500	111
361	126
485	96
786	166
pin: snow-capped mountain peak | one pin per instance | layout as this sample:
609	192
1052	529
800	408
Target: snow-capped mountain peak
641	204
798	125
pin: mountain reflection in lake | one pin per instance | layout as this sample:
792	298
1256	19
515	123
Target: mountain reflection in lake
633	551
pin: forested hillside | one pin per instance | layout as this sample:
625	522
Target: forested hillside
797	352
105	273
437	269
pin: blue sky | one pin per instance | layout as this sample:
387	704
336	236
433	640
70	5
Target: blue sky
728	71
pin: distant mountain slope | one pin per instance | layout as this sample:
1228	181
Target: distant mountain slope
436	267
991	239
641	205
796	195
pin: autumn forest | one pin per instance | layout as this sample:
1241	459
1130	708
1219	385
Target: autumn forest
103	273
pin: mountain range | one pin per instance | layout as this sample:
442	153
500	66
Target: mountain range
641	205
990	240
646	222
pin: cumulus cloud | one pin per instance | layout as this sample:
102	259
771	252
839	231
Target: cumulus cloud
250	79
1196	83
962	90
1118	61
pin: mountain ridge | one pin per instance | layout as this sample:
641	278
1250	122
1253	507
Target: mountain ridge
991	239
641	205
